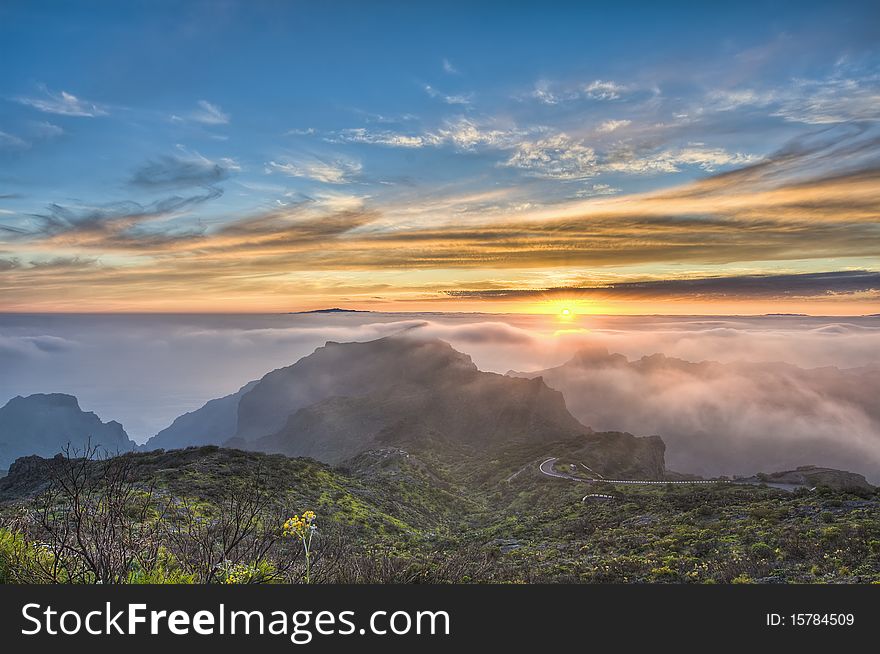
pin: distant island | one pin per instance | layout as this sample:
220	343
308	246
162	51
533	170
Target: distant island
333	310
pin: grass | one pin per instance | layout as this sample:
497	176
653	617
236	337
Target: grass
438	520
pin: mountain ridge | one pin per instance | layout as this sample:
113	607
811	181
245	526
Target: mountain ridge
47	423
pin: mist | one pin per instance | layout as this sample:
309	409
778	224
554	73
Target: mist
744	413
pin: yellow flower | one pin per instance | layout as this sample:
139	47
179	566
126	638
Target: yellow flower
299	526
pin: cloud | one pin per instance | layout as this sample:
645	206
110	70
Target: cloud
30	346
335	171
111	226
183	171
63	104
708	386
816	198
380	137
555	157
595	190
467	134
63	263
731	418
604	90
125	225
449	69
546	93
844	95
448	99
832	100
609	126
553	93
625	160
733	99
803	285
461	133
46	130
12	142
563	158
282	230
209	114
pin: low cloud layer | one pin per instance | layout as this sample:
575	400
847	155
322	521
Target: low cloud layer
731	418
785	390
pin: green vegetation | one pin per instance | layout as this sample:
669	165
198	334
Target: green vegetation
218	516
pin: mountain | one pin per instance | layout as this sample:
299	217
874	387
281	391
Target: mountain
45	424
406	393
728	418
213	423
813	476
332	310
345	370
347	398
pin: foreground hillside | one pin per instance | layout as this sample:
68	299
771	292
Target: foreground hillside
388	515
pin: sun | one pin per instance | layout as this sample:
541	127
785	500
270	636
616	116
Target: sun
563	309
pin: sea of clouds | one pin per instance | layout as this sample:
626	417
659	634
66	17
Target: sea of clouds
145	370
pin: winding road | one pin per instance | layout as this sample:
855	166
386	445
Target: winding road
547	468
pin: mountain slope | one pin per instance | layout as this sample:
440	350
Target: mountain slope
45	424
345	370
365	497
397	391
212	424
481	413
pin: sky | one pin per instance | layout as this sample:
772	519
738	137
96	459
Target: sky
633	158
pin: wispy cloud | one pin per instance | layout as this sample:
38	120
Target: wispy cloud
672	160
448	68
328	171
182	171
46	130
787	286
12	142
467	134
604	90
608	126
770	210
555	157
555	93
456	99
547	93
209	114
205	113
461	133
111	226
63	104
842	95
380	137
596	190
833	100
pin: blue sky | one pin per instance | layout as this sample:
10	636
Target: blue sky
132	132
